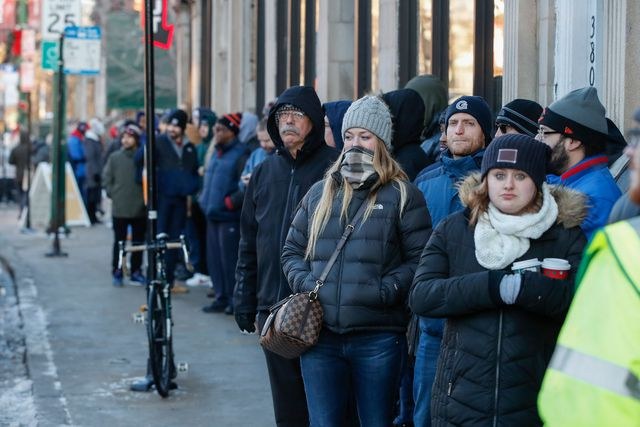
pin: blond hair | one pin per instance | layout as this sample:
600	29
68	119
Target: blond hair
388	170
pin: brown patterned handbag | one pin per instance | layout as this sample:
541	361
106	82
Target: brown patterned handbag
294	323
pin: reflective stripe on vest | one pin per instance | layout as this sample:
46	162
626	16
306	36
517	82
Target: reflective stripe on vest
595	371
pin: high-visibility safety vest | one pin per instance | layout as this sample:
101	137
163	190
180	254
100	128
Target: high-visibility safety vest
593	376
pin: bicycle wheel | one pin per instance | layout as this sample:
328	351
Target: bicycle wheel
159	334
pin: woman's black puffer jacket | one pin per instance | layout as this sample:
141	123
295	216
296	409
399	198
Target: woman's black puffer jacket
367	287
493	356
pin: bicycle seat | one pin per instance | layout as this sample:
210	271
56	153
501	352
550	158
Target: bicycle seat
162	236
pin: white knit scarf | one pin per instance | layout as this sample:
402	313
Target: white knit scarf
501	238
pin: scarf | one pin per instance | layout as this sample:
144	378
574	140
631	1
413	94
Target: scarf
500	238
357	166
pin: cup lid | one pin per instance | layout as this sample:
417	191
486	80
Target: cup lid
534	262
556	263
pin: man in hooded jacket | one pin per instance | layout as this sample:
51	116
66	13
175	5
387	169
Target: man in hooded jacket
296	126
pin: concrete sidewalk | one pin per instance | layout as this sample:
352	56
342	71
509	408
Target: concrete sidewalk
82	348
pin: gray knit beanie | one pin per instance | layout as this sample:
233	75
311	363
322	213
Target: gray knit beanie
370	113
578	114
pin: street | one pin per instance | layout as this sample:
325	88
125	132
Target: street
69	347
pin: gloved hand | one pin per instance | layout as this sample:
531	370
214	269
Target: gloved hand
246	322
510	288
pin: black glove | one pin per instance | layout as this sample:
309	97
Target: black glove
246	321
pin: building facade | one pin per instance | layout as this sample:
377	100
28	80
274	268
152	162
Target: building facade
239	54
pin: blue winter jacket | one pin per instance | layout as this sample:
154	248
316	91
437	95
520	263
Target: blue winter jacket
257	156
438	183
221	198
177	175
75	151
592	177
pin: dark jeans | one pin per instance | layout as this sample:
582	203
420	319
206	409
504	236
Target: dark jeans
172	218
138	229
425	369
369	363
196	233
287	388
94	196
222	255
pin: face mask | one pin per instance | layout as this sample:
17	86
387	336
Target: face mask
357	166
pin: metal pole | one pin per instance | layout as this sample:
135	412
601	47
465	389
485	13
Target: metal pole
149	95
28	201
58	205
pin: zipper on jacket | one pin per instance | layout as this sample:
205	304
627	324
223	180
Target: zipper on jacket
287	214
498	354
340	286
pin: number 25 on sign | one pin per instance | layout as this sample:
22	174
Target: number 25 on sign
57	15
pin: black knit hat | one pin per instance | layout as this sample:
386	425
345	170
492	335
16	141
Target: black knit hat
178	118
517	151
231	121
522	115
477	107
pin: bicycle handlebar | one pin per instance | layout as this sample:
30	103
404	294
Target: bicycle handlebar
159	244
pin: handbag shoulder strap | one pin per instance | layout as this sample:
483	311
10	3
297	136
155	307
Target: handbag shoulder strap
334	256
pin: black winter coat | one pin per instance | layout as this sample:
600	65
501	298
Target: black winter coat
367	287
493	356
276	187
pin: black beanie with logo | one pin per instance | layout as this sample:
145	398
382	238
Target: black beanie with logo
517	151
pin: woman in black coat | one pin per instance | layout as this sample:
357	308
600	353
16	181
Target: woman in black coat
364	295
501	325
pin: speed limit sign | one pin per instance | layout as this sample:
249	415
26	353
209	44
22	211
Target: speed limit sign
58	14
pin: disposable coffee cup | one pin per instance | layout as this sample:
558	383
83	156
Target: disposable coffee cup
555	268
526	265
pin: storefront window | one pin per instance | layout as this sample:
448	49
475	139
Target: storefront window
425	27
375	9
498	37
461	39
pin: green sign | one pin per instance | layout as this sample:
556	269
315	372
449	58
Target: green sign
49	55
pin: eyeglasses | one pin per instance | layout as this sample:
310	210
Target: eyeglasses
542	133
502	127
284	114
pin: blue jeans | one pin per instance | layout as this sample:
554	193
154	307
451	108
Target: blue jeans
425	369
366	363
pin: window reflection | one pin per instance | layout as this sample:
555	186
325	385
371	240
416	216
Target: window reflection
498	37
461	37
375	9
425	26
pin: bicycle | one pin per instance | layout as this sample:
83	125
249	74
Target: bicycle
158	320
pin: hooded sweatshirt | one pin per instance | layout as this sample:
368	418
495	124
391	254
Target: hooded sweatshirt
276	187
407	112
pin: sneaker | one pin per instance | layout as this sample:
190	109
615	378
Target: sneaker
179	289
198	280
216	306
117	278
137	279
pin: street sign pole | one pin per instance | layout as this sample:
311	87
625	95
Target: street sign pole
58	172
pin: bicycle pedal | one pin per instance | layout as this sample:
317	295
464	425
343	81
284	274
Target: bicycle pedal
138	317
182	367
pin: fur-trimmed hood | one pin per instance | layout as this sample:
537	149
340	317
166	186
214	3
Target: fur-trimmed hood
572	205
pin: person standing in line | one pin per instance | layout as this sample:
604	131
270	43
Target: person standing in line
277	185
76	156
127	203
468	131
363	298
576	129
221	202
258	155
592	379
501	319
177	174
93	150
